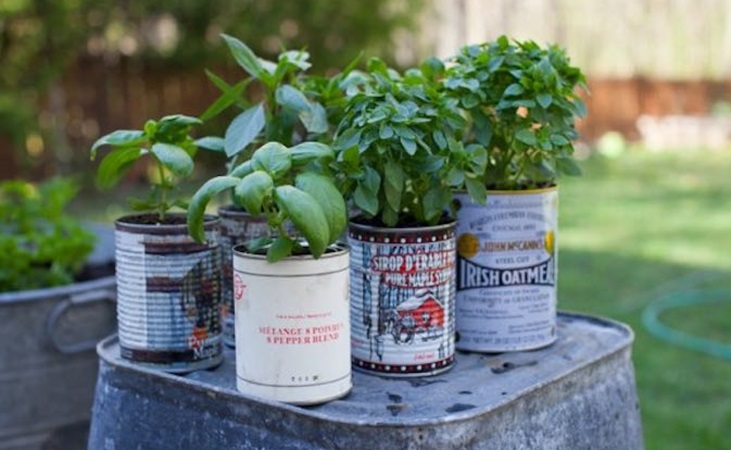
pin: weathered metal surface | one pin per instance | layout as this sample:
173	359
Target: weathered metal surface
48	366
168	295
292	326
237	227
402	288
506	270
579	393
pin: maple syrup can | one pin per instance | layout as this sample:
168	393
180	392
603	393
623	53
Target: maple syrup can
506	270
168	294
402	283
292	326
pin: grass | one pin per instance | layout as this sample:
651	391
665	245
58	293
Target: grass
643	226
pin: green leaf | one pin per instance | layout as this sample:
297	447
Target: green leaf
439	139
119	138
253	190
435	202
455	177
393	184
280	249
476	190
432	68
306	215
526	136
409	145
292	98
307	152
174	158
179	120
371	180
197	206
386	132
470	101
568	166
365	200
346	139
212	143
314	118
230	96
115	164
579	107
322	189
244	129
272	157
297	58
244	56
544	100
513	90
242	169
559	140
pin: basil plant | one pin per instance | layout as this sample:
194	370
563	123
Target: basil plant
400	156
284	184
520	100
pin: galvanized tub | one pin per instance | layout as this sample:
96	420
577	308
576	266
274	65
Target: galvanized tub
576	394
49	366
237	227
292	326
168	294
402	299
507	260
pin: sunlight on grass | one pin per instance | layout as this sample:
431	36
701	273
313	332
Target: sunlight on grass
647	226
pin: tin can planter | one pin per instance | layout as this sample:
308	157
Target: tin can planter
402	299
237	227
168	294
292	326
506	271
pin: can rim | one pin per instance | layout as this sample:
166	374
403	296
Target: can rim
339	248
127	223
451	223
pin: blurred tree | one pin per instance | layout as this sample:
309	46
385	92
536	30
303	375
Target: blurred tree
40	39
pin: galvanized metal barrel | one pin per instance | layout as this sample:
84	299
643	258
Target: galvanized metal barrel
402	299
576	394
48	364
168	294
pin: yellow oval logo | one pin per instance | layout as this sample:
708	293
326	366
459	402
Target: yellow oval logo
468	245
549	241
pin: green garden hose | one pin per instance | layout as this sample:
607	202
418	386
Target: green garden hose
684	298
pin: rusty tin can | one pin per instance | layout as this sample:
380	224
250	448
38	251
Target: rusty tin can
402	299
237	227
168	294
506	270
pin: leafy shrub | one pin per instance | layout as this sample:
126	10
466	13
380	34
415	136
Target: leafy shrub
41	245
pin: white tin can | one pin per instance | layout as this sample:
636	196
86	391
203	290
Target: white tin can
506	270
292	326
402	299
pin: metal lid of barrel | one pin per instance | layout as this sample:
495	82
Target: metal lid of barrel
577	393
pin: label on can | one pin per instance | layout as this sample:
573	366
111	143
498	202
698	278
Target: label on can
402	300
506	271
292	327
168	292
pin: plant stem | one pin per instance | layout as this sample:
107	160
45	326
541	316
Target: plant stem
161	205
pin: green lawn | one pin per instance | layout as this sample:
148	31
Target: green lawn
644	226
